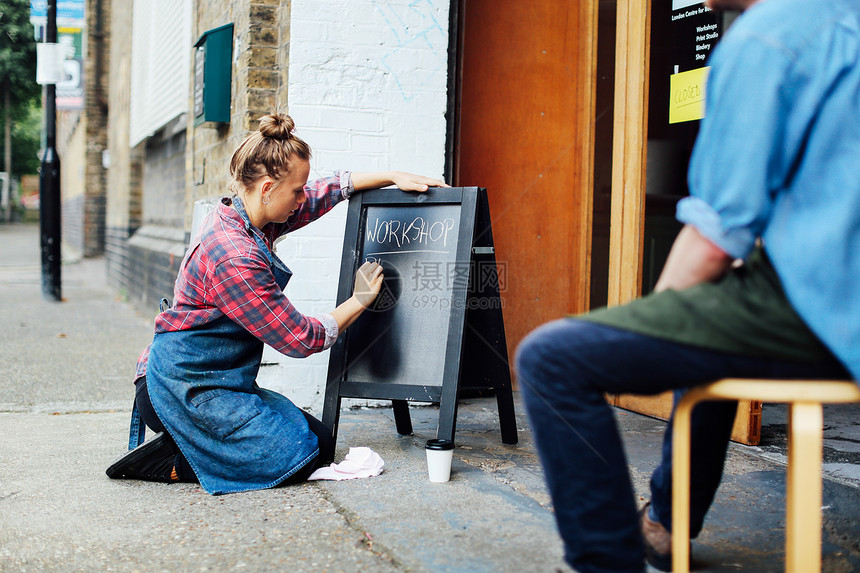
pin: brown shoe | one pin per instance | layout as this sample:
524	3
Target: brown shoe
657	541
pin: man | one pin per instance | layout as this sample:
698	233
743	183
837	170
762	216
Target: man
774	182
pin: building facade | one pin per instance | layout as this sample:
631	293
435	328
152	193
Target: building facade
557	108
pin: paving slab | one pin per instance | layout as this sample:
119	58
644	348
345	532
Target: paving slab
65	395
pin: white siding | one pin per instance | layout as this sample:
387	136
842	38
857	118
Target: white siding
160	64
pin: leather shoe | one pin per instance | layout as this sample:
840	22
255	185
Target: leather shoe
657	541
153	460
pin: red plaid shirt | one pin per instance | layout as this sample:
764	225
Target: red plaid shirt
225	272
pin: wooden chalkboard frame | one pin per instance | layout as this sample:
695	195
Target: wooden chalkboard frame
479	330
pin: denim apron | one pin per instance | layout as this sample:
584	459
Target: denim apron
202	384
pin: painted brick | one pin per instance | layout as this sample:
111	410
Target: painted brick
326	139
315	269
287	250
358	161
371	143
327	247
305	116
352	120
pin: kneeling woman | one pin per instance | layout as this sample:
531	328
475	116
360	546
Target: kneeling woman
196	383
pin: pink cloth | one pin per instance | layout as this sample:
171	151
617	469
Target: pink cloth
359	463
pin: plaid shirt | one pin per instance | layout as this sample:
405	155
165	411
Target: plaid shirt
225	272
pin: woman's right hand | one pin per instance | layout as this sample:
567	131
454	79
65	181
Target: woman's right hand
368	282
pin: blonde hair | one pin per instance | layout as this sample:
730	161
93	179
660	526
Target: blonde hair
267	151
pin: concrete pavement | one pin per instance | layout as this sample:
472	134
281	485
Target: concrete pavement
65	396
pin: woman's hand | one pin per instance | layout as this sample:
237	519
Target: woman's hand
410	182
368	282
405	181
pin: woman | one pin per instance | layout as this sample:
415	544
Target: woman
196	383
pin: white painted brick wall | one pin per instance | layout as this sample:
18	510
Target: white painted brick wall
368	92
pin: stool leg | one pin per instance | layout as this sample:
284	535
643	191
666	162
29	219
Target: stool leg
681	484
803	488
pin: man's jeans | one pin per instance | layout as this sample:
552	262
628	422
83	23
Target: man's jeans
564	368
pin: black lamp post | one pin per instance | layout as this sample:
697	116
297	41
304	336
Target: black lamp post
49	183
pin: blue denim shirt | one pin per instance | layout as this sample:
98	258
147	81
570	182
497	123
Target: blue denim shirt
778	153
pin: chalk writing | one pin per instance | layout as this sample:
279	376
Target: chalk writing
418	231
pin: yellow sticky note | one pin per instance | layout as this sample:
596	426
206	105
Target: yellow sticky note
687	95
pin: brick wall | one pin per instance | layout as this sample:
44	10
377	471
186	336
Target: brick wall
154	255
158	182
71	149
367	87
72	217
96	75
125	164
210	145
81	139
116	258
164	176
156	248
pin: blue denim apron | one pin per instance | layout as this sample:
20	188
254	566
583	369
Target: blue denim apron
202	384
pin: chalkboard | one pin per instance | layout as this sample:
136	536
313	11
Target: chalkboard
436	326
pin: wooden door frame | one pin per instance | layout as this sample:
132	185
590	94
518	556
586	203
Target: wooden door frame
629	150
452	115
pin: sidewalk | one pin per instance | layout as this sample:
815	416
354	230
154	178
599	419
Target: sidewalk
65	396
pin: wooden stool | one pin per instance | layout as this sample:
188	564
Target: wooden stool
803	480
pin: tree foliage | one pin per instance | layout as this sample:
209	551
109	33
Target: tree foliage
18	53
26	135
18	79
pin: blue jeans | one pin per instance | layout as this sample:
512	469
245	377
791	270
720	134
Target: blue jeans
186	472
564	368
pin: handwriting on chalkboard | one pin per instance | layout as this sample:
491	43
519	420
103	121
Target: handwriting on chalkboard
417	232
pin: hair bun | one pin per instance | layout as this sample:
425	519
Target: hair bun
277	126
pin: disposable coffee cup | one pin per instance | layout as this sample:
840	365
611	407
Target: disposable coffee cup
439	456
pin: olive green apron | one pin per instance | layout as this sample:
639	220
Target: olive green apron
746	312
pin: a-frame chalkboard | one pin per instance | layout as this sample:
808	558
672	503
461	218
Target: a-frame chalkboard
436	327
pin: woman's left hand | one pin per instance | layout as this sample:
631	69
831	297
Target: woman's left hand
405	181
410	182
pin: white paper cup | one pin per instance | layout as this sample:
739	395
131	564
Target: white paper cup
439	456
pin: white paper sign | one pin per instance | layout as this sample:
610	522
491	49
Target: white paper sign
49	63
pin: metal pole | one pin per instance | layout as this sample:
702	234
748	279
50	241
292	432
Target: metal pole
49	183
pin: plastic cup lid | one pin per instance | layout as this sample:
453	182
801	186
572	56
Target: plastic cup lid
440	445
